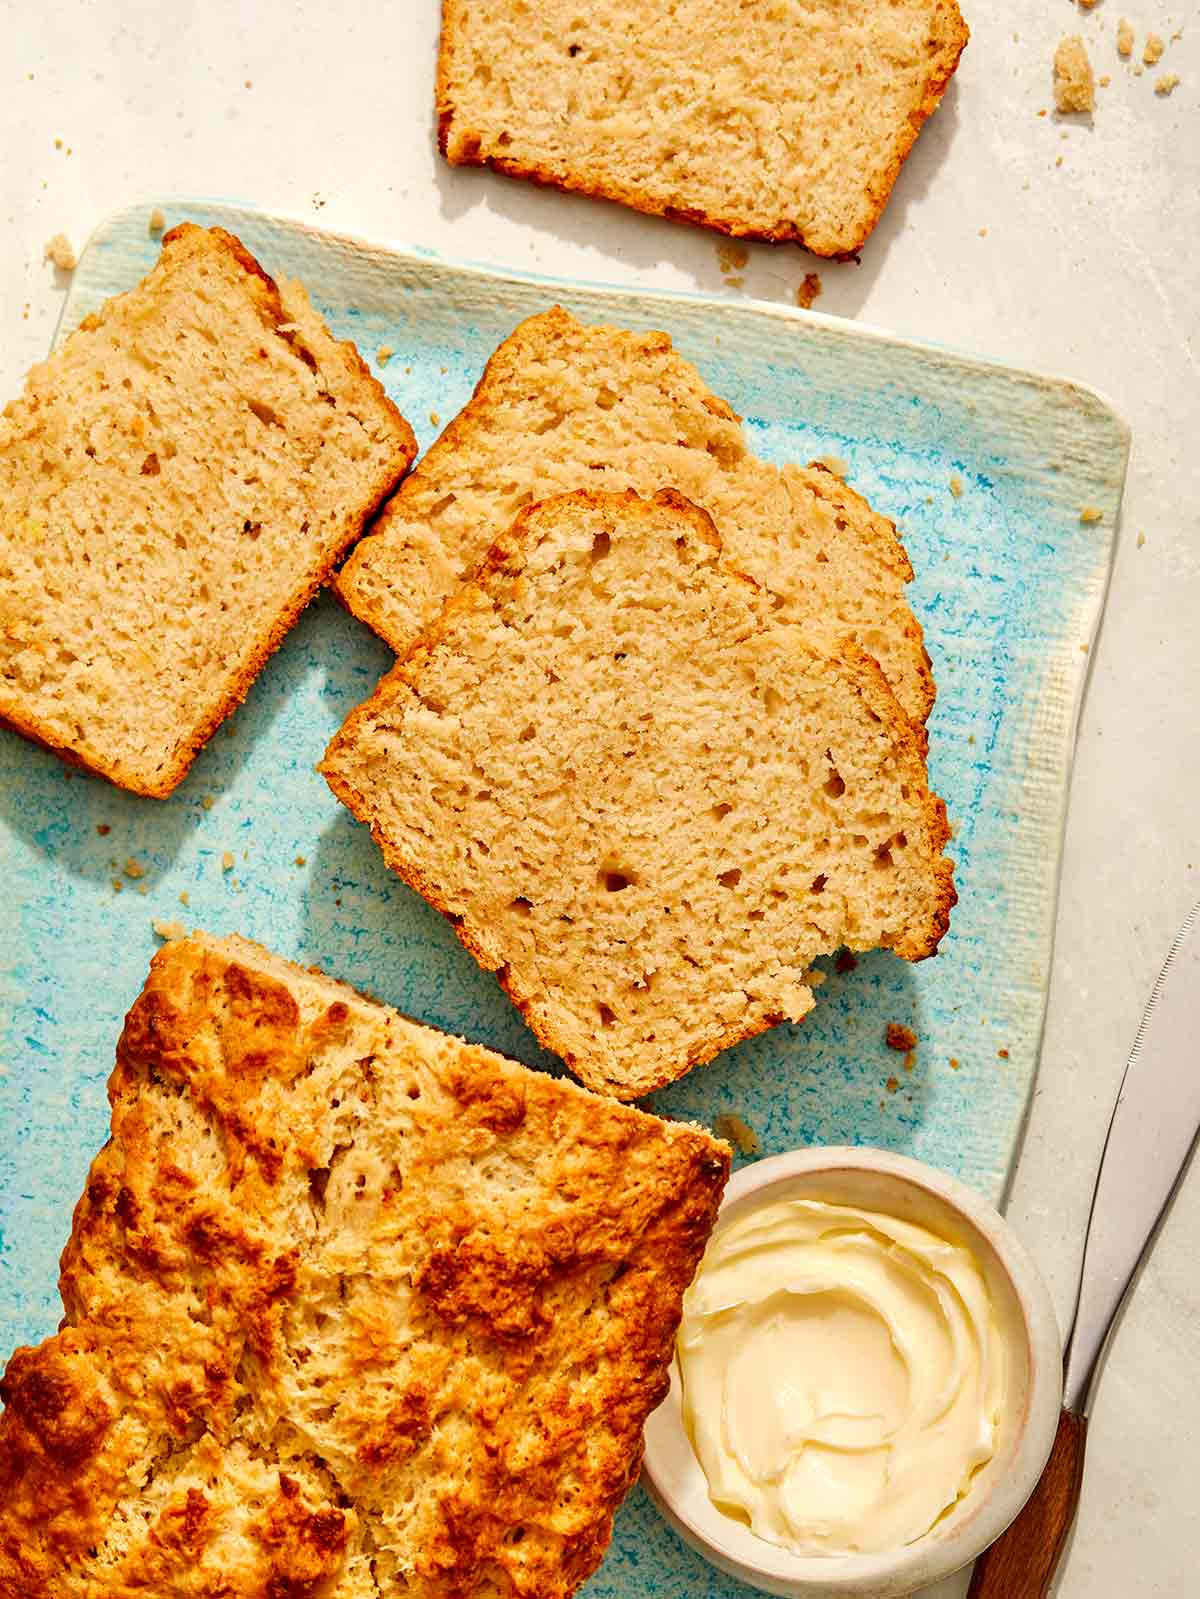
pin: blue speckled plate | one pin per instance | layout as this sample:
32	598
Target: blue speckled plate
984	469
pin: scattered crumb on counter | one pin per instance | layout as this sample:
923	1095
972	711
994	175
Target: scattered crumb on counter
1141	539
983	233
956	486
1087	4
1125	37
1003	1054
954	1063
1074	86
734	1130
910	1060
118	885
103	829
1164	85
900	1038
134	868
227	861
435	419
1090	513
1138	70
1084	649
384	354
1058	161
157	221
249	83
808	290
837	464
845	962
732	256
892	1084
1177	35
735	283
168	929
301	860
59	253
1153	52
206	802
183	897
1104	80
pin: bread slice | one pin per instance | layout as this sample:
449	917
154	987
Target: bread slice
352	1308
642	800
772	120
563	406
175	484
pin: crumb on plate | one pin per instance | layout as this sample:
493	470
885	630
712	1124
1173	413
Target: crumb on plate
1164	85
1125	37
1153	51
808	290
732	256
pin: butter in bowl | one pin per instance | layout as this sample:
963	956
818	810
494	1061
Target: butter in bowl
867	1379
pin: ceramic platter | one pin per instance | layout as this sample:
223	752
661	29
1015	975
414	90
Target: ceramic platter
984	469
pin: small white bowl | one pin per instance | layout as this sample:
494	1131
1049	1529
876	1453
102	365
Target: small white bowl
920	1194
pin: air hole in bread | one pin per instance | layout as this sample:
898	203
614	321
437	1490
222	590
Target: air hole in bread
265	413
601	546
615	881
773	700
150	466
731	878
521	906
835	785
607	1015
720	812
818	883
414	1091
883	858
318	1182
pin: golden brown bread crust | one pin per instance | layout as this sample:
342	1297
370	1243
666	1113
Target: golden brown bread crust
466	150
273	628
909	743
351	1308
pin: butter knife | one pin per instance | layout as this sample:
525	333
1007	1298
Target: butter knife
1152	1131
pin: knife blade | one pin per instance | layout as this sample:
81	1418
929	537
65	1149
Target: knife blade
1153	1128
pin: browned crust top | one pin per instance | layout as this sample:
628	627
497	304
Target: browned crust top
340	1284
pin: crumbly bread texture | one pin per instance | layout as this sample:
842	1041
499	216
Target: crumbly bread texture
564	406
768	120
175	484
1074	83
353	1310
641	799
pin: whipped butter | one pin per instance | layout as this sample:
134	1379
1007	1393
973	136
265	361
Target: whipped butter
843	1374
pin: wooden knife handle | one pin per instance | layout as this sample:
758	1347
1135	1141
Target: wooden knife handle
1022	1561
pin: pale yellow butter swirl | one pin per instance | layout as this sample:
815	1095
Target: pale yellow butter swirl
843	1375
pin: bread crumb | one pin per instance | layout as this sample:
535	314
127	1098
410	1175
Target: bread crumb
168	929
134	868
435	419
954	1063
384	354
249	83
732	256
1002	1053
737	1132
735	283
1166	83
206	802
845	962
1141	539
1074	86
1153	52
1090	513
1104	80
301	860
892	1085
837	464
1085	649
983	233
59	253
900	1038
1178	34
1125	37
103	829
808	290
1087	4
1138	70
910	1060
157	221
1058	161
183	897
118	885
227	861
956	486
